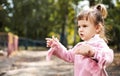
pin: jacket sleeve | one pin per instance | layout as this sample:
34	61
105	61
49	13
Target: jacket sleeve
104	55
60	51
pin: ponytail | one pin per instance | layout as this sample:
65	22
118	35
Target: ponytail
102	9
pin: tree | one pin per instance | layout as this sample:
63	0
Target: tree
4	18
114	25
44	16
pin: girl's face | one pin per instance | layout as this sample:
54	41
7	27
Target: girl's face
86	29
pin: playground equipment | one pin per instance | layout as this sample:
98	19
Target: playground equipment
8	43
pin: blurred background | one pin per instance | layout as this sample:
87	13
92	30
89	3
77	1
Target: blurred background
26	23
34	20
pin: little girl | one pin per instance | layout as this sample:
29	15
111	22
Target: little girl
91	56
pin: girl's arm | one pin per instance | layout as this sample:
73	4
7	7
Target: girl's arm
57	49
85	50
102	54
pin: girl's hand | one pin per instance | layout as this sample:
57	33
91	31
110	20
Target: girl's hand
85	50
51	41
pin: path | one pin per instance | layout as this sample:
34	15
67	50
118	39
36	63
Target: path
33	63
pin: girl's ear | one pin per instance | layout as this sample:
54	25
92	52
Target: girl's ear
98	28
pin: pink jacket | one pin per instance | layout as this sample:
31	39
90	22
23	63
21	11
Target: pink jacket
85	66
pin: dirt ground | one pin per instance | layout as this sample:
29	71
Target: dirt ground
33	63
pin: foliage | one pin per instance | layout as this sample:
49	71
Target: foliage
44	16
113	24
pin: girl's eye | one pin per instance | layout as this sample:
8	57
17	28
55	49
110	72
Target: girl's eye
78	27
84	25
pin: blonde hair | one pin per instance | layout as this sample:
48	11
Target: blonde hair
97	14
